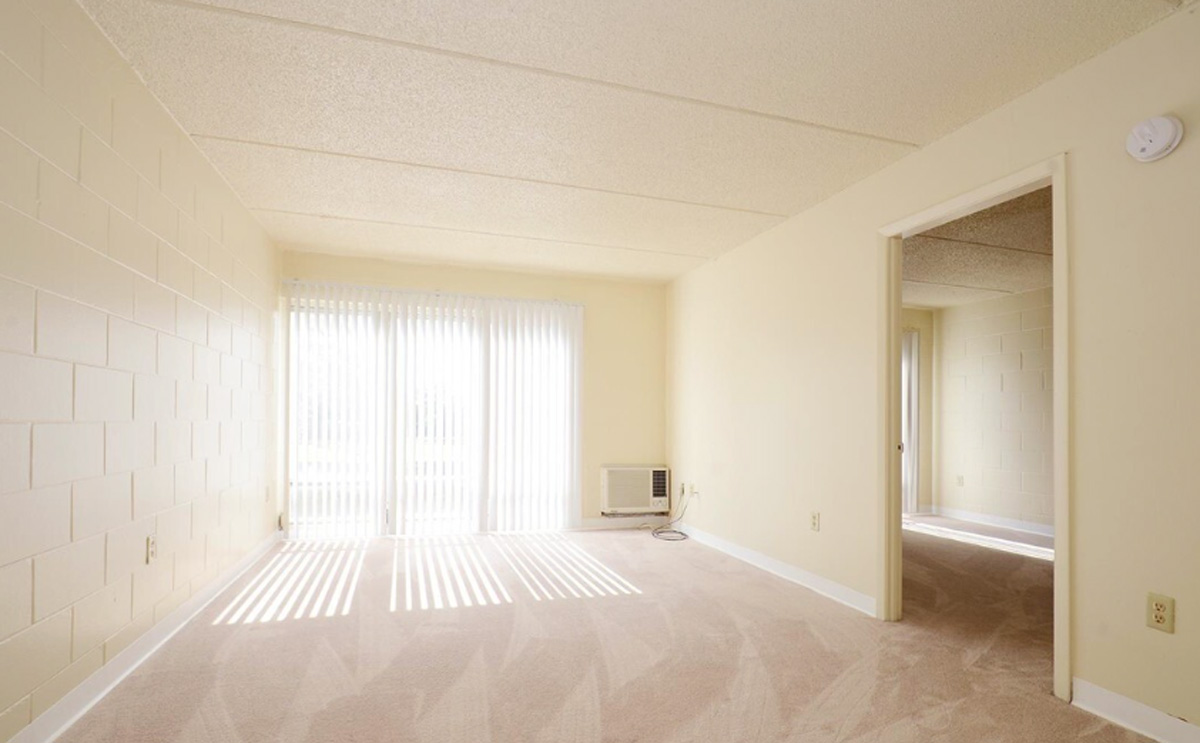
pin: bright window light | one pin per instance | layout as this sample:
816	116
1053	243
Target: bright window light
422	414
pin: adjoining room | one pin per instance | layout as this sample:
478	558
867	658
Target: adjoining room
977	378
622	371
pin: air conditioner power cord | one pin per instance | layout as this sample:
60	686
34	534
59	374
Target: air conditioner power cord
667	532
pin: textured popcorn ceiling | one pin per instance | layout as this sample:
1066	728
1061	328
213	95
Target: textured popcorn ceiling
623	137
1006	249
1023	223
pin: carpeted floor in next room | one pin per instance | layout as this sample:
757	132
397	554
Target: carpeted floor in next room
603	636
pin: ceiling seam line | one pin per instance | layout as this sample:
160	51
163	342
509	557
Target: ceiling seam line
964	286
980	245
299	249
475	232
536	70
463	171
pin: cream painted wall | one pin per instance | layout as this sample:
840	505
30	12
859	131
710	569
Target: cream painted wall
779	346
922	322
136	301
995	422
623	414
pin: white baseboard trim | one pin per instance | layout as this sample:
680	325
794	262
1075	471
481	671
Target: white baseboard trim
1131	714
619	522
989	520
52	723
787	571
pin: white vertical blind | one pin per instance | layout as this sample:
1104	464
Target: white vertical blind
450	413
533	446
338	370
441	348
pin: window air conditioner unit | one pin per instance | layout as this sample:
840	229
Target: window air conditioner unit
635	489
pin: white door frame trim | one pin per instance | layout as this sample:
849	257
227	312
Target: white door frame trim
1049	172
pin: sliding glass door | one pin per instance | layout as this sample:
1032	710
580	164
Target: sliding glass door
430	414
339	428
442	417
533	437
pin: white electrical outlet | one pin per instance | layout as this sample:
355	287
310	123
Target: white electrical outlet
815	524
1160	613
961	481
151	549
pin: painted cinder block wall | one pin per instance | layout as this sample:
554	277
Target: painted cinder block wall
994	411
137	301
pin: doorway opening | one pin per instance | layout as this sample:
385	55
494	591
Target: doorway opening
977	427
977	298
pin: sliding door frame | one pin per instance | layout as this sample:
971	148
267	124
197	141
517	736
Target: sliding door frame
1050	172
283	420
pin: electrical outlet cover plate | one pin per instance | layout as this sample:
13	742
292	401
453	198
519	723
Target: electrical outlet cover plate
816	521
1160	612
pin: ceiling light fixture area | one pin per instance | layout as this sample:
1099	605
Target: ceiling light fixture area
1154	138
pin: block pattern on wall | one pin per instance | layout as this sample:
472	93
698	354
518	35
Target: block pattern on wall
995	372
137	305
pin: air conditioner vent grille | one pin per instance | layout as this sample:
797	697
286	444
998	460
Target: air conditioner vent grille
660	483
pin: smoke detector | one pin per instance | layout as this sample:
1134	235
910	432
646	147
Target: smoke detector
1154	139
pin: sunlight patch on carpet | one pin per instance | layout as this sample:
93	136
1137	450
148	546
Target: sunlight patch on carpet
444	572
302	580
979	540
477	570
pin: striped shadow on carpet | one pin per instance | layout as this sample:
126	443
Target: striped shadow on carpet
312	579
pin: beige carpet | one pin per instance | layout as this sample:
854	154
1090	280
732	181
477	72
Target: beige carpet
600	637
